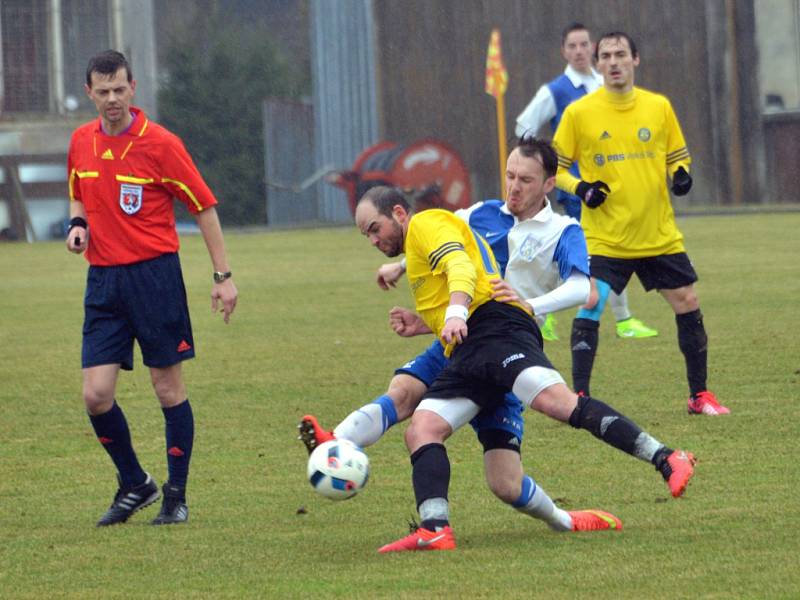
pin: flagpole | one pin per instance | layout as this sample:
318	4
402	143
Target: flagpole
501	142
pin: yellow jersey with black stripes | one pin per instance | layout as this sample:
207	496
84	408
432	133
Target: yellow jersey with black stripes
444	255
632	142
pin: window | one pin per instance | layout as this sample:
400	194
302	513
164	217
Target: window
23	26
778	40
85	27
45	45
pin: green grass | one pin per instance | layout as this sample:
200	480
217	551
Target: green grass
310	334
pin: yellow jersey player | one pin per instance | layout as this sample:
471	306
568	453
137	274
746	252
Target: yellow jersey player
626	142
445	259
495	348
547	106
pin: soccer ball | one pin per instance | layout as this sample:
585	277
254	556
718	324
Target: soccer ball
338	469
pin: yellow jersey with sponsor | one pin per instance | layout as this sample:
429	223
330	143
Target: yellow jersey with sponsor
443	256
631	142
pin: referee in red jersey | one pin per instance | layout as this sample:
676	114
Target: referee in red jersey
124	171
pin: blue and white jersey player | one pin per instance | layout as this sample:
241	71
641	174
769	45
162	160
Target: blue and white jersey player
551	99
545	262
546	265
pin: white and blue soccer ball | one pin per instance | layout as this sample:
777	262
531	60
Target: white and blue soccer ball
338	469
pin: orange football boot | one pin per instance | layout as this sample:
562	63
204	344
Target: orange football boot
593	520
423	539
311	434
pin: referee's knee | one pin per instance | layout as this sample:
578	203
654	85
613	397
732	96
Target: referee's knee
97	401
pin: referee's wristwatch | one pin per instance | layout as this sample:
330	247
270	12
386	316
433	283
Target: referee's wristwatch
220	276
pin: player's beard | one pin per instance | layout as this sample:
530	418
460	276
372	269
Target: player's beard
394	244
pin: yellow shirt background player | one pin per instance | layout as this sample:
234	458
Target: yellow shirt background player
631	141
627	142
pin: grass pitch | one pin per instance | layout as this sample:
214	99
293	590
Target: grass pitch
310	335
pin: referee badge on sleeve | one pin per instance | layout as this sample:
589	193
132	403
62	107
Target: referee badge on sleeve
130	198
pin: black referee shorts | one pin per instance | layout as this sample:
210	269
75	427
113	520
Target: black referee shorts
665	272
502	341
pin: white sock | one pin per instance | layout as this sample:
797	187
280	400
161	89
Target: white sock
434	508
363	427
619	304
535	502
646	446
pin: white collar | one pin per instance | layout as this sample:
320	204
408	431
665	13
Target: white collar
543	215
578	79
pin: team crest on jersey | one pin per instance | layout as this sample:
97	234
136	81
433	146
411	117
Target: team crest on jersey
644	134
599	160
130	198
529	247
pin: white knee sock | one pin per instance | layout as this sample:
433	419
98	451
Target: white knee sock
367	425
535	502
619	304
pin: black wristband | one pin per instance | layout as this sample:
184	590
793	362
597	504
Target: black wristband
77	222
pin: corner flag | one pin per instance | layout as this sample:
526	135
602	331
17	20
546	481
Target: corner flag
496	74
496	85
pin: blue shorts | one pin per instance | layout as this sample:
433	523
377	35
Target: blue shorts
145	301
571	204
506	416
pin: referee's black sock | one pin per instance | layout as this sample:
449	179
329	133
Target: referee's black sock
179	431
111	429
430	474
584	340
693	342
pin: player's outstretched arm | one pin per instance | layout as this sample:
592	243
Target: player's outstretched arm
389	273
503	292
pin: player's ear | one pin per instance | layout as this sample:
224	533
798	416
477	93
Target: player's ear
549	184
399	213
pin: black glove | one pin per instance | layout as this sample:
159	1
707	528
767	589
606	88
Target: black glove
681	182
593	194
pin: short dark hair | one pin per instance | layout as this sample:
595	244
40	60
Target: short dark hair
385	198
531	147
616	35
107	63
574	26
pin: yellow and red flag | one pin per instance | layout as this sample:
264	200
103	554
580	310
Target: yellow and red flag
496	85
496	74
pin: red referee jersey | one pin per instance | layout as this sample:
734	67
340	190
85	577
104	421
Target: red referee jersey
126	184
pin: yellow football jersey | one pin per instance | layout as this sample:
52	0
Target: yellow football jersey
631	142
443	255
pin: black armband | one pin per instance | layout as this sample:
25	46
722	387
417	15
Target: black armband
77	222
